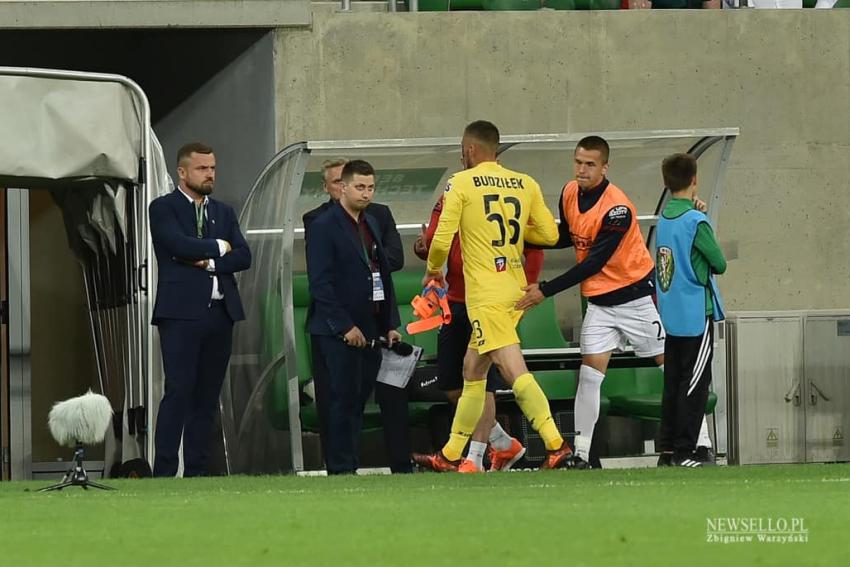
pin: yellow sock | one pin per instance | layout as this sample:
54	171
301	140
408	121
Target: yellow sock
533	403
470	406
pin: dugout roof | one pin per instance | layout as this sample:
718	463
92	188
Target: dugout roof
87	138
411	176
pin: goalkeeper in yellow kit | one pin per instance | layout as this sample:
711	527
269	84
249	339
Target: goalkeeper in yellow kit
495	211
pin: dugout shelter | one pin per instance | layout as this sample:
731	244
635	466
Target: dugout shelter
267	403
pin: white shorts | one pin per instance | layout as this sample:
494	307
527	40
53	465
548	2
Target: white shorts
611	328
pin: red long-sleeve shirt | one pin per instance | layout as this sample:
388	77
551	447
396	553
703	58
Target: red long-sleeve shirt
454	274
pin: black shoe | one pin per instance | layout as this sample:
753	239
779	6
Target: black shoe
686	461
576	462
665	460
706	456
594	461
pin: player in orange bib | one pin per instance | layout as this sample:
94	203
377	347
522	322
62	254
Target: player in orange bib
616	274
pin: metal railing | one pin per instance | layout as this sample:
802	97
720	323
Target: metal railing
392	5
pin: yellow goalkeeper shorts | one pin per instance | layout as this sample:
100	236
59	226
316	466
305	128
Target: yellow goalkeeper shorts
493	326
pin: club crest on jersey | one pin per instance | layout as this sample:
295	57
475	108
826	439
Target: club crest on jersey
501	263
665	267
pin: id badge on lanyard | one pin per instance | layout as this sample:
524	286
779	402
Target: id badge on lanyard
377	282
377	287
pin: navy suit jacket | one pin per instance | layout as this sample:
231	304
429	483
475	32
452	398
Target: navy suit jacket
183	290
387	230
341	279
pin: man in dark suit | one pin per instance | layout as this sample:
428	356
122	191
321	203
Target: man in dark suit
353	305
332	183
199	248
393	401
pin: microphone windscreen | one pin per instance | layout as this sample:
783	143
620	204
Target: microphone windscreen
403	349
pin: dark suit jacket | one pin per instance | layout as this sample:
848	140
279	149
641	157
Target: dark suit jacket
386	229
341	279
184	291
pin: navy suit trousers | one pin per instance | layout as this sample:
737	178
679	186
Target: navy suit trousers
395	414
195	354
351	380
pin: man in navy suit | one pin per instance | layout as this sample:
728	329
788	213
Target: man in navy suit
393	401
354	305
333	184
199	248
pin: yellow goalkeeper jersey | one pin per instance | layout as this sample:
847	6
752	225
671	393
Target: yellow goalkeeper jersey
495	211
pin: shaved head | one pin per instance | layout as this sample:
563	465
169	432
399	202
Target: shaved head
484	133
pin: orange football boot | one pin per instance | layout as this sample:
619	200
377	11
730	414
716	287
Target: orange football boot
504	460
557	458
436	462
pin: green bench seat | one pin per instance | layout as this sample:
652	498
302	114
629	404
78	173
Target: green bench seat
276	403
648	406
517	5
511	5
514	5
539	328
636	393
446	5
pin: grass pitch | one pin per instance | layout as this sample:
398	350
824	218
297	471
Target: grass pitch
605	517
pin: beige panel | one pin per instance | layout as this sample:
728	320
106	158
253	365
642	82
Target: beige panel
63	363
827	389
767	367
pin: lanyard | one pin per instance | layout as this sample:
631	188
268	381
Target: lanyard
199	219
371	259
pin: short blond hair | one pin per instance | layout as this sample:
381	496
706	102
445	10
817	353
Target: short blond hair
330	163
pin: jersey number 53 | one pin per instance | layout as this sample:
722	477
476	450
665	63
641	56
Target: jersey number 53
496	217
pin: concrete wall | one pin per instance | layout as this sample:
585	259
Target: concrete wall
783	77
234	113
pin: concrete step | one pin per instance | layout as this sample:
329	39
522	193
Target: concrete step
117	14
